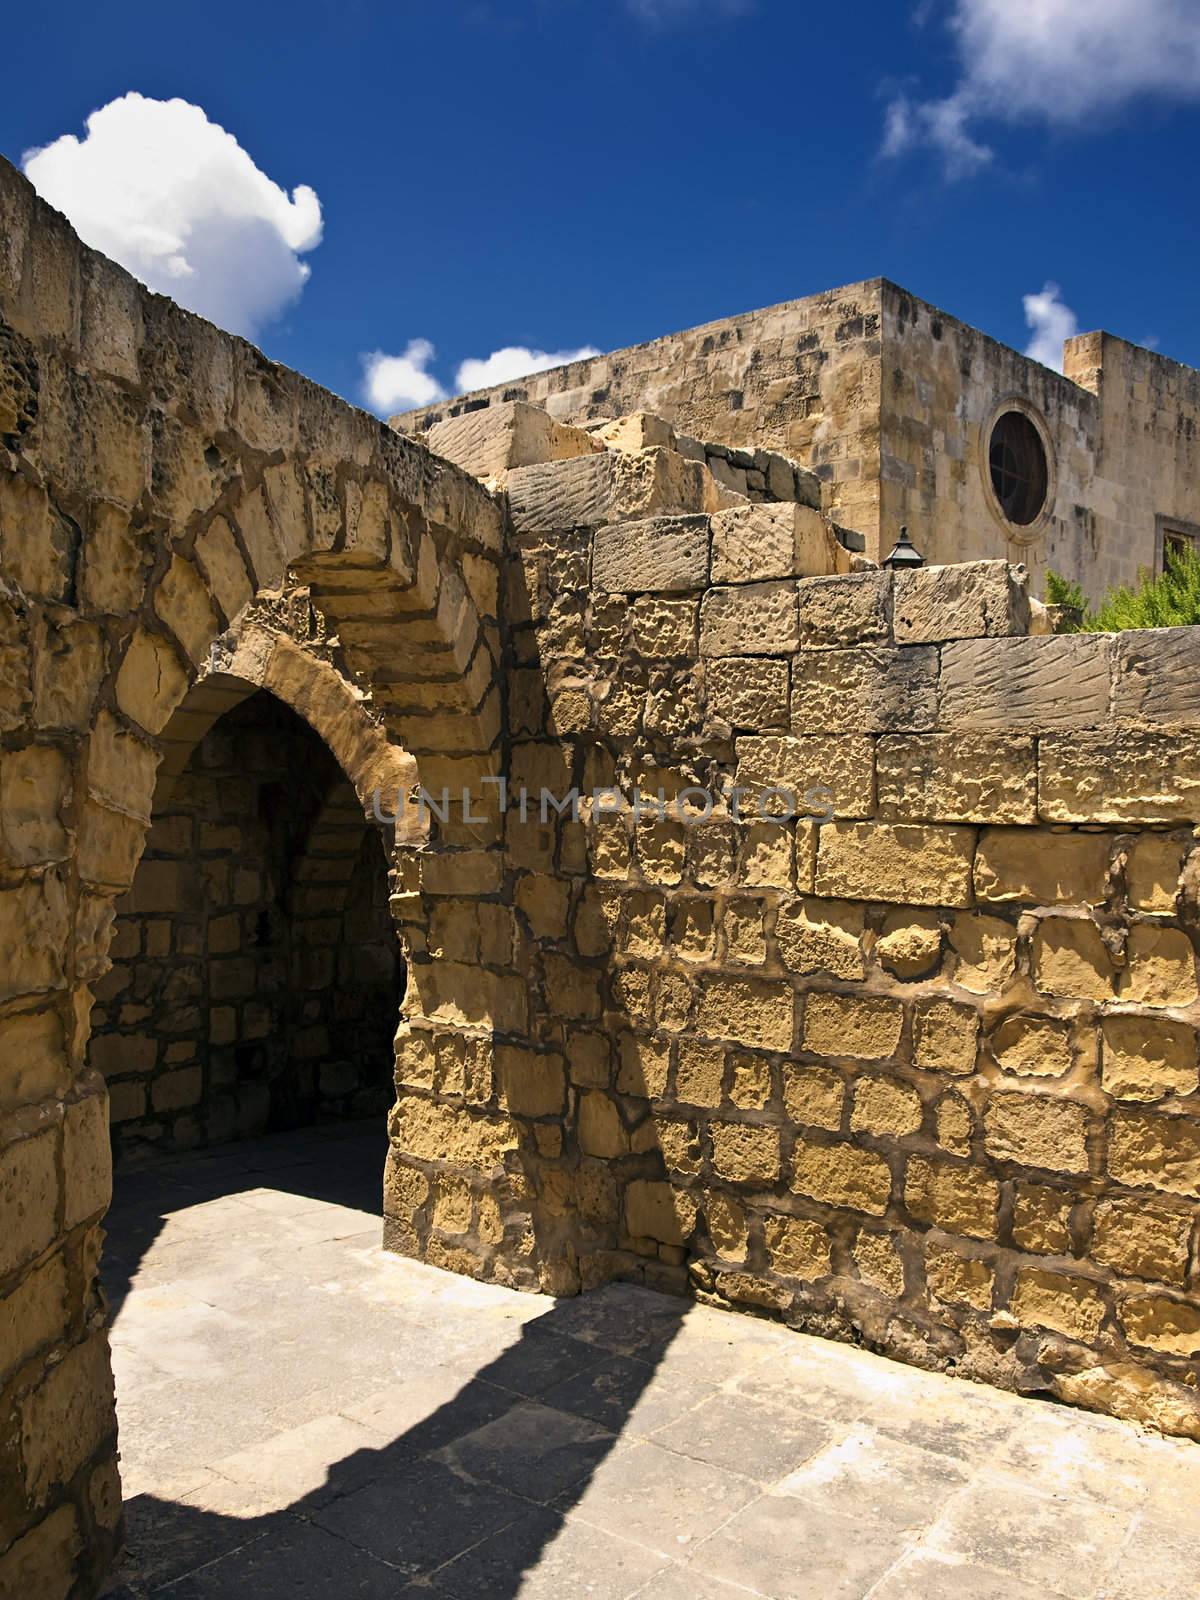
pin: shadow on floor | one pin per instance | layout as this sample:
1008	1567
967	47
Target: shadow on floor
468	1497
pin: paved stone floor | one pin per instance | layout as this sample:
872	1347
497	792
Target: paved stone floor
304	1416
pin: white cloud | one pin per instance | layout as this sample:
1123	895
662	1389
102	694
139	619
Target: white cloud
1062	62
176	200
401	383
514	361
1052	323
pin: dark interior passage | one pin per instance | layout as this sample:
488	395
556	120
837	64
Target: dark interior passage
256	972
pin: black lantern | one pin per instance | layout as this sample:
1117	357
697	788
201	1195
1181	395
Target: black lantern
905	556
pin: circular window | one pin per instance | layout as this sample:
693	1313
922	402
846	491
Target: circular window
1019	469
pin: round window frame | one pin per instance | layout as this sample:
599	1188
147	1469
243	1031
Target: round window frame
1019	533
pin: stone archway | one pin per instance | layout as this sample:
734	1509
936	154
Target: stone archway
157	475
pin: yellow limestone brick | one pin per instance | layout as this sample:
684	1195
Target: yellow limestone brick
1042	1219
1158	1323
700	1075
945	1037
910	944
531	1085
1153	873
885	1106
658	1211
958	1279
985	948
852	1025
745	1154
1147	1151
1141	1239
839	1174
601	1132
813	1095
643	1065
822	936
726	1225
1146	1058
1041	868
678	1142
954	1126
879	1264
797	1248
750	1011
1068	1304
1034	1047
1037	1130
750	1088
906	864
960	1199
1071	959
1161	967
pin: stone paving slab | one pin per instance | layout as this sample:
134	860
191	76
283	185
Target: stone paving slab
305	1416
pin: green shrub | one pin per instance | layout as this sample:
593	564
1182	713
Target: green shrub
1171	600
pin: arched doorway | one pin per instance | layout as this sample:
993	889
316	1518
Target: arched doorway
256	975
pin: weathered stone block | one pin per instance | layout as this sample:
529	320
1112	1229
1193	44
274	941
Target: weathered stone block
985	951
837	769
1041	868
1155	678
661	554
657	1211
755	542
973	600
745	1154
748	1010
852	1025
1069	1304
796	1247
488	442
1160	967
1147	1058
1119	776
1037	1130
747	692
813	1095
847	610
1142	1240
1071	959
910	943
1033	1047
869	689
1031	685
886	1107
839	1174
822	936
1153	872
957	1198
590	491
1158	1323
757	619
945	1037
949	777
1147	1151
909	865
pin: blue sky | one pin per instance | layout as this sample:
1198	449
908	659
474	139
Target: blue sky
558	174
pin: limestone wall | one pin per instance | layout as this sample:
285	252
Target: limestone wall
801	378
1147	465
155	475
891	402
920	1071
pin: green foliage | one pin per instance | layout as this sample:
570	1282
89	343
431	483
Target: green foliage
1171	600
1062	591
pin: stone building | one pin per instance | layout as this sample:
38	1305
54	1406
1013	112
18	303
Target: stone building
768	927
908	416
